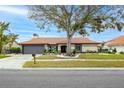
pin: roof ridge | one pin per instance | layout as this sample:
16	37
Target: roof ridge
116	41
115	38
58	40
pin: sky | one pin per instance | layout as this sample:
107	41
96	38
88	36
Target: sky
23	26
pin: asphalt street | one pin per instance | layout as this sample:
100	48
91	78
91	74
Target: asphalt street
61	79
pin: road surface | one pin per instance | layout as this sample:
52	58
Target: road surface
61	79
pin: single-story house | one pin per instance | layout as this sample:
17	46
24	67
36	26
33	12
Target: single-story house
116	43
38	45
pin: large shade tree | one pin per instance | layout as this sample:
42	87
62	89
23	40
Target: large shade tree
78	19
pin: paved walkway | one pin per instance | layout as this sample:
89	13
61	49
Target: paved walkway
14	62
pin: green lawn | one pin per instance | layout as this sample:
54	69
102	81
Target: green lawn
47	57
73	64
85	56
2	56
102	56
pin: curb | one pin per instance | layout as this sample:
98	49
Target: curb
71	69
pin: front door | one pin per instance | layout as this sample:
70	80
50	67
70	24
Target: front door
63	49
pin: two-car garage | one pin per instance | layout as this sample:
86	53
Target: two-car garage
32	49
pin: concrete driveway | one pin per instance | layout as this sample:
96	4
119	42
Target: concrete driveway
14	62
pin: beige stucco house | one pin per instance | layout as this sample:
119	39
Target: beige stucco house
37	45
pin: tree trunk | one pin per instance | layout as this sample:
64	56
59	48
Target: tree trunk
68	51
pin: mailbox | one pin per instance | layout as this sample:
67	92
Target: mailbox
34	55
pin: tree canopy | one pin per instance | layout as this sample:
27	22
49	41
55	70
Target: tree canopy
6	38
78	18
3	38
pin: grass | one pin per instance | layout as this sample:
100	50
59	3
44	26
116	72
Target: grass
72	64
102	56
2	56
85	56
47	57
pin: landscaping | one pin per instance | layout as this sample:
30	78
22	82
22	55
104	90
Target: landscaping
101	56
85	56
90	60
47	57
73	64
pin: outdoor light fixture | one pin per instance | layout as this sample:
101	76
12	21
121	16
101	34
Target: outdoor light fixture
34	56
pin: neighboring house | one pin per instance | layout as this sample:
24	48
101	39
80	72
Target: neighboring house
6	48
117	43
38	45
15	44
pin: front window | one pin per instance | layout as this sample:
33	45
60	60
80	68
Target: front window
78	48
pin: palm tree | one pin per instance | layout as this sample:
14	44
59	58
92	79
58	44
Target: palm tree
3	38
12	39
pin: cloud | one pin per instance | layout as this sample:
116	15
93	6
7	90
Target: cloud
14	10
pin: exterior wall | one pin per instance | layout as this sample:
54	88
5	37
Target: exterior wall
118	48
59	47
85	47
46	47
72	46
92	47
37	49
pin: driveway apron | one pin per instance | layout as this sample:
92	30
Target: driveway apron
14	62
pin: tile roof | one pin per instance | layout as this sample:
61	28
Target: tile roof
117	41
59	41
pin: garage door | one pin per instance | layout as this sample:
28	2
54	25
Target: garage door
33	49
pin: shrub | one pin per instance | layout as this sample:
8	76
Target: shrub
44	52
111	52
74	52
54	50
15	50
77	51
121	52
59	51
103	50
114	50
91	51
